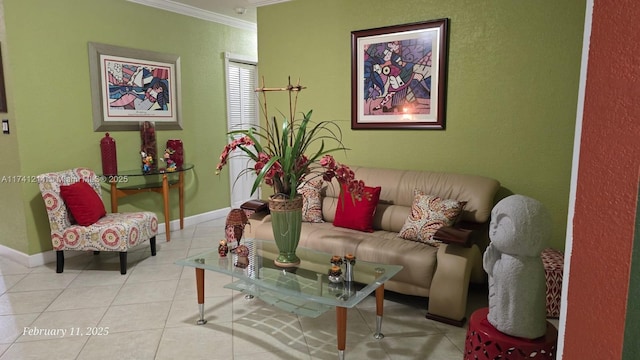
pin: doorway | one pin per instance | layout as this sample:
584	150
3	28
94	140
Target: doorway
242	114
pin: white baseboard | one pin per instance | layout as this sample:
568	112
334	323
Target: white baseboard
50	256
27	260
196	219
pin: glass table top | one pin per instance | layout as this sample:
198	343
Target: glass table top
138	179
305	289
154	171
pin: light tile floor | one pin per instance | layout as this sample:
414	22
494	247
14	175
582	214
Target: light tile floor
150	313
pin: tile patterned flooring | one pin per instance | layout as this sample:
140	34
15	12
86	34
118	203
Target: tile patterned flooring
150	313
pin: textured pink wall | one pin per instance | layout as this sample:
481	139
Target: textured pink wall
606	193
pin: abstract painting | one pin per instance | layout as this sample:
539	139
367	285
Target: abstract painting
398	76
130	86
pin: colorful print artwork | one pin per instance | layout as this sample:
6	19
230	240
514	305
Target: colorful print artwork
131	86
397	77
137	88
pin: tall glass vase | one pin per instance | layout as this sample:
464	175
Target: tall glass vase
286	222
148	147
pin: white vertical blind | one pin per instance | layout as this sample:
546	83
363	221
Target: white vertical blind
242	98
242	112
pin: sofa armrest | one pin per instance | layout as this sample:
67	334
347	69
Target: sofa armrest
450	284
467	235
454	235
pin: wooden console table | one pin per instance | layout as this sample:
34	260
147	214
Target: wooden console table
121	188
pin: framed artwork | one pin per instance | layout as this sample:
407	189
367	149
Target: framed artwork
3	94
398	76
129	86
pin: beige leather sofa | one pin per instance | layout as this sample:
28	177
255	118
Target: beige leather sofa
440	273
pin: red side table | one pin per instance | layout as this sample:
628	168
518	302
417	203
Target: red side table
484	341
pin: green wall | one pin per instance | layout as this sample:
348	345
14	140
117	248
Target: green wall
47	56
513	74
12	213
511	99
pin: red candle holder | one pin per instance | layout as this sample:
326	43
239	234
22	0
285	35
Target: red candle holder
178	151
109	157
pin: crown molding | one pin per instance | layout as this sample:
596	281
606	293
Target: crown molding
265	2
187	10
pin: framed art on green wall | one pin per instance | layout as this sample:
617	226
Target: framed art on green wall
129	86
398	76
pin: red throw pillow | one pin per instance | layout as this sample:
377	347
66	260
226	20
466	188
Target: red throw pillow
358	214
83	202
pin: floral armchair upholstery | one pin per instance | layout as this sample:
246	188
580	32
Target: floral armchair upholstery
113	232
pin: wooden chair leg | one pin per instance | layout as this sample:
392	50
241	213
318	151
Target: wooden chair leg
152	241
123	262
59	261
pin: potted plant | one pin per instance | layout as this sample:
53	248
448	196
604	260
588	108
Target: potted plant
286	154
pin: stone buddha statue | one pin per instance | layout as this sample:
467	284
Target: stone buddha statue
520	229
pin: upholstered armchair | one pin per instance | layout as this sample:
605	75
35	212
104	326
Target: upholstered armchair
78	219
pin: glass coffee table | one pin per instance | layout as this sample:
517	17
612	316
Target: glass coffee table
304	290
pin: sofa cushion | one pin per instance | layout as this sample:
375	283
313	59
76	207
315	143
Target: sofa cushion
397	193
357	214
83	202
418	260
311	201
428	214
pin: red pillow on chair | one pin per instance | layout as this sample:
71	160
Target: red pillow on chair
83	202
358	214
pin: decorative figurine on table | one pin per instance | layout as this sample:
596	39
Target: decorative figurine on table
234	226
171	165
243	256
335	274
147	162
223	249
336	260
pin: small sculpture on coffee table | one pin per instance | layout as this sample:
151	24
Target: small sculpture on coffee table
234	227
223	249
242	253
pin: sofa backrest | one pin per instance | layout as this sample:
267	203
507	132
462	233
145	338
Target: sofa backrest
397	193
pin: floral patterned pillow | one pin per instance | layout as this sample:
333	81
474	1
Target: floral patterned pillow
428	214
311	201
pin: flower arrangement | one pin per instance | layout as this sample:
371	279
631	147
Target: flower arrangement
289	153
